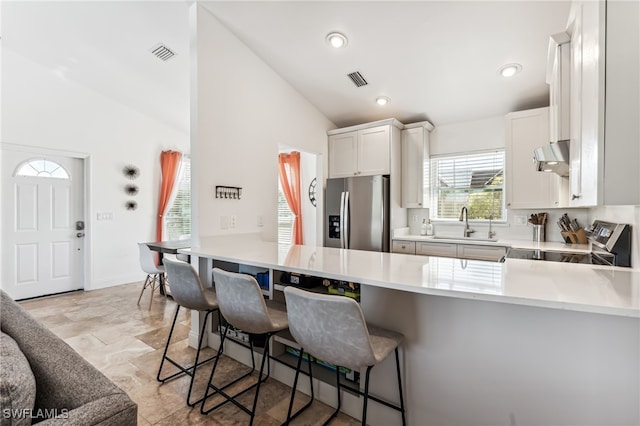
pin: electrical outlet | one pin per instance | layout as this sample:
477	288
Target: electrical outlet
260	221
414	218
233	221
224	222
520	220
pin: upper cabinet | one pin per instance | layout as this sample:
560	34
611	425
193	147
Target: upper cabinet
527	188
415	161
363	150
558	78
604	103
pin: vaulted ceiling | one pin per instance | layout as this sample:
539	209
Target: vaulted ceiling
434	60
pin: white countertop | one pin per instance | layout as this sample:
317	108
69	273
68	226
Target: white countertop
555	285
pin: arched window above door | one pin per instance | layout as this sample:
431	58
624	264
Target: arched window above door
40	167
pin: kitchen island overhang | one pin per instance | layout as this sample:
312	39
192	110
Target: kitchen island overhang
520	342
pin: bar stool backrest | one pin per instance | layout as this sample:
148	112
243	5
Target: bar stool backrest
331	328
241	302
186	288
147	260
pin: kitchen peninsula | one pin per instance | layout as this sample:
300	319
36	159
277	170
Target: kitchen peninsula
520	342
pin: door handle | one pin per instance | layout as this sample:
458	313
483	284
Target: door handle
80	234
347	216
342	232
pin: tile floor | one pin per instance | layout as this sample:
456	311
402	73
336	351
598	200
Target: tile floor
125	341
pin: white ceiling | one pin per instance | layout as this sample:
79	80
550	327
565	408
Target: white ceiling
435	60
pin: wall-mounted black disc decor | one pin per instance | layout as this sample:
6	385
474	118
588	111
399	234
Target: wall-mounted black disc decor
131	171
131	190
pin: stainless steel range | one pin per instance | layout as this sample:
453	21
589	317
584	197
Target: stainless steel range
610	245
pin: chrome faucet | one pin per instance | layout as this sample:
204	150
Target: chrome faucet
491	233
464	215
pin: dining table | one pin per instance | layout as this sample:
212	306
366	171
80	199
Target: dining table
167	247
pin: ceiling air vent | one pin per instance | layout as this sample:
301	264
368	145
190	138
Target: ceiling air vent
163	52
357	79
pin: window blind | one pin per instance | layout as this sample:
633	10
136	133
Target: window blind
177	220
285	219
473	180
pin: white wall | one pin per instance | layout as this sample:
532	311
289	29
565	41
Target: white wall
243	112
41	109
479	135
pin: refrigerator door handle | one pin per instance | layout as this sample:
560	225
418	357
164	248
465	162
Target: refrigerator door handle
342	220
347	213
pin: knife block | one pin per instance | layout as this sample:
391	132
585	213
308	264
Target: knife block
578	237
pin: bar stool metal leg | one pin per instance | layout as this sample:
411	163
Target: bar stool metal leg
404	422
295	384
366	395
191	371
337	410
220	390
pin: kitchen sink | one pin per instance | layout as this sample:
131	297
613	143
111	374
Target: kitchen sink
458	239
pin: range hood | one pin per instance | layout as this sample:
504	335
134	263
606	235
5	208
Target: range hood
553	157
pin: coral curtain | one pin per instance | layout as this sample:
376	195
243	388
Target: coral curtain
290	181
169	165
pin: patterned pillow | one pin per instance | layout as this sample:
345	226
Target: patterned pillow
17	384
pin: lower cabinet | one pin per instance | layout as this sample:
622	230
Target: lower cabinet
437	249
477	252
406	247
462	251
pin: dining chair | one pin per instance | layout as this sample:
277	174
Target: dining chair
155	273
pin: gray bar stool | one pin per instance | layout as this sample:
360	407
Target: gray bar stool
333	329
188	292
243	306
155	273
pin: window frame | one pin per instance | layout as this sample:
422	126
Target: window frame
434	186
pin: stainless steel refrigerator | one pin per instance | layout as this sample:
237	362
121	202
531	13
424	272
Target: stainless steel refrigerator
357	213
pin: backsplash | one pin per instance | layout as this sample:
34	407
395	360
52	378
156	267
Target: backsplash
515	228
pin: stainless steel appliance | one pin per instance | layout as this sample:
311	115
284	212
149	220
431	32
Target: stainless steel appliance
610	245
357	213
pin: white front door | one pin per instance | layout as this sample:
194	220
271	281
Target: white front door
42	217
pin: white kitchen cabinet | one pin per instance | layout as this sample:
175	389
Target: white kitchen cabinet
415	162
406	247
437	249
343	157
604	103
558	78
527	188
478	252
363	150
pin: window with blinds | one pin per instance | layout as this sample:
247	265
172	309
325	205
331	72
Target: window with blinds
177	221
285	219
473	180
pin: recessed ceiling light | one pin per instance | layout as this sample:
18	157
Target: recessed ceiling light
510	70
382	100
337	40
